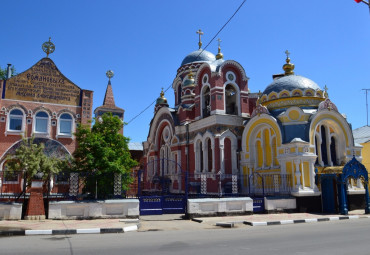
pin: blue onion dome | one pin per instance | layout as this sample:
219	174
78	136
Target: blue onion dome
290	83
306	93
194	56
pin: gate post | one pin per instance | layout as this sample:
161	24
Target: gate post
367	205
343	197
139	173
186	185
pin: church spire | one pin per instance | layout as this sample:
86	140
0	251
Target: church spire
109	98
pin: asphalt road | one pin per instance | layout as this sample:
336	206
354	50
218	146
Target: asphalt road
339	237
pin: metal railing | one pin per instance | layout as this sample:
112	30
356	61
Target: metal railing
216	185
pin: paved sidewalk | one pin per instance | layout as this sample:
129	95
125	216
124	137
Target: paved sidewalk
169	222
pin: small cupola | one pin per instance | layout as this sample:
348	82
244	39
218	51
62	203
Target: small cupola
288	67
219	54
189	82
161	100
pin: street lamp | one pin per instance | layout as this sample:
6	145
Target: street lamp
363	1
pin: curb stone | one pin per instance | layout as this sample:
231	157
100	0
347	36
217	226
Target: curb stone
284	222
18	232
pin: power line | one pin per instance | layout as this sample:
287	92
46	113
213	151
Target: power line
219	31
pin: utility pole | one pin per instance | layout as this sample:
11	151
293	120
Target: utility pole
367	108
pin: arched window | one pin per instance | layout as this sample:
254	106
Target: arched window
324	154
15	120
165	157
228	156
327	146
206	102
201	158
198	151
333	151
65	124
41	122
209	155
265	148
230	100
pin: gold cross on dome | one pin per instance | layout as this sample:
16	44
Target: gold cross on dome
219	42
287	53
200	33
326	94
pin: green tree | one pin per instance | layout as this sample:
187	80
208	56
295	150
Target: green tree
103	151
31	158
4	72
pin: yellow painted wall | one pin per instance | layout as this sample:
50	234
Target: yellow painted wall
260	154
366	157
306	169
289	170
266	135
274	147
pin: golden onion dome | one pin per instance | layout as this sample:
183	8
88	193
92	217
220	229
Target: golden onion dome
161	99
190	80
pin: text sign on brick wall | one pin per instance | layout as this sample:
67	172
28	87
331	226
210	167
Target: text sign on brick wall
43	82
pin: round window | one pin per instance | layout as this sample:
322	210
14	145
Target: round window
230	77
205	79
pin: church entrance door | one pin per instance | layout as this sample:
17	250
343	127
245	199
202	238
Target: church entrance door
329	193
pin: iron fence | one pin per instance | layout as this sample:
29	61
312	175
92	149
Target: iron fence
215	185
66	186
12	185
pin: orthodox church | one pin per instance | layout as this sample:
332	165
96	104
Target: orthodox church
202	133
217	126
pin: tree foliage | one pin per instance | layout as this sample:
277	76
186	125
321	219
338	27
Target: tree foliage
31	158
103	151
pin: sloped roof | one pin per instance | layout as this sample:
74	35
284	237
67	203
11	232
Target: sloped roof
135	146
362	134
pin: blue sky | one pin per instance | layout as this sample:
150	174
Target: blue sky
144	42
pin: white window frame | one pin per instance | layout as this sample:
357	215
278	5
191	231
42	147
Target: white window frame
64	135
38	133
10	116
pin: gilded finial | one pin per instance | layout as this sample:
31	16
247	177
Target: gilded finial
258	98
48	47
288	67
190	75
287	53
109	74
200	33
161	99
326	95
219	54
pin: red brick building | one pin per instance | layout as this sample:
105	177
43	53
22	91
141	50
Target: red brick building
43	103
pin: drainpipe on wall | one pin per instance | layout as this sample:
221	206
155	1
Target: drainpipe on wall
9	71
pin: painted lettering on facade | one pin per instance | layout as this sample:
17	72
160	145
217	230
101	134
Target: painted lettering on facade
43	83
